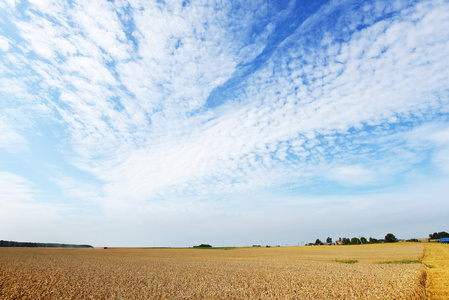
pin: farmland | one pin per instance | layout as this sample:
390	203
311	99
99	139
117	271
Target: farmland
437	259
323	272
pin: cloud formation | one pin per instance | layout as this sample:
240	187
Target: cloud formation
172	107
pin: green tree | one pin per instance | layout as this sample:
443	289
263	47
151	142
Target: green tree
329	240
355	241
443	234
390	238
439	235
346	241
203	246
318	242
373	240
363	240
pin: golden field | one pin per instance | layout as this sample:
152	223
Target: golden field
436	257
319	272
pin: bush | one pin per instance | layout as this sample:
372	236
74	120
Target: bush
413	240
203	246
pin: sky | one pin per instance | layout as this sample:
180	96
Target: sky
233	123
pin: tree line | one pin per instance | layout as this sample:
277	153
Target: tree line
439	235
43	245
389	238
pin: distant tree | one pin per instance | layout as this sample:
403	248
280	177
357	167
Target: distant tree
443	234
329	240
318	242
413	240
363	240
346	241
203	246
355	241
373	240
390	238
43	245
439	235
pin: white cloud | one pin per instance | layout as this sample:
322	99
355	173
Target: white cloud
12	3
433	136
11	140
373	78
15	187
42	5
21	214
351	175
4	44
78	191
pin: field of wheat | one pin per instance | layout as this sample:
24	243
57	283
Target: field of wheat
436	259
322	272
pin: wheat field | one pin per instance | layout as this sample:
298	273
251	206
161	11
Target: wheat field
436	259
321	272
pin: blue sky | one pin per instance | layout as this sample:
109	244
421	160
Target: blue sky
173	123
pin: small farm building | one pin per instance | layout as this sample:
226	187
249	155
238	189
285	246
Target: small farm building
444	241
